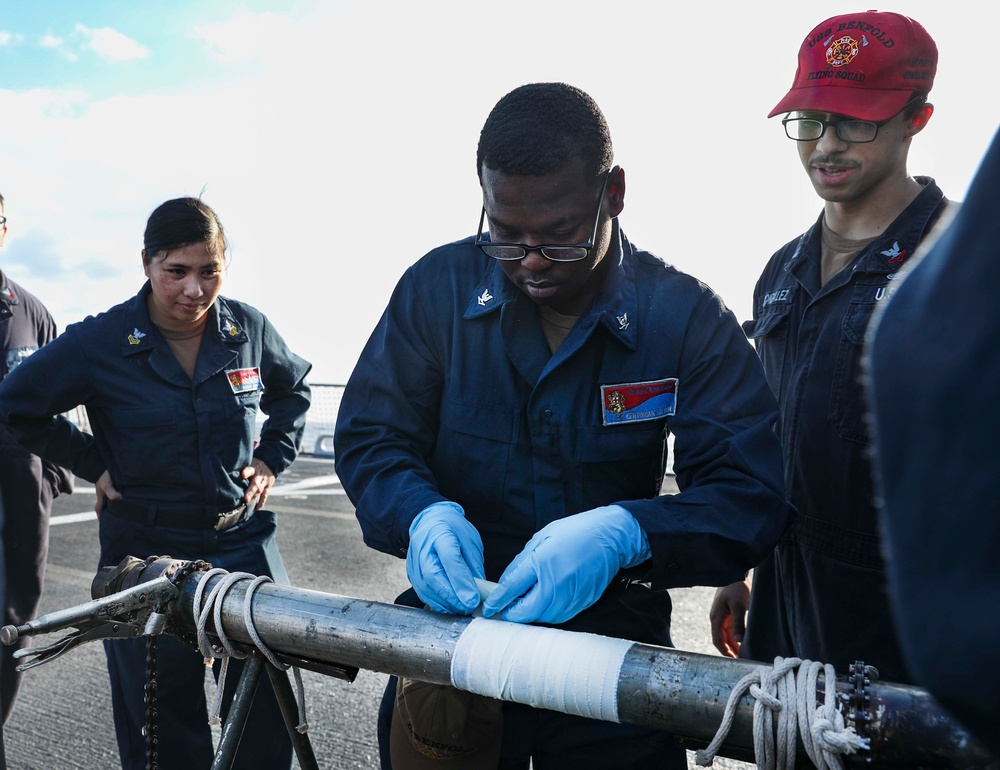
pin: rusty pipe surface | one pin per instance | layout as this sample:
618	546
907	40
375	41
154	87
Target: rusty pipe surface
662	688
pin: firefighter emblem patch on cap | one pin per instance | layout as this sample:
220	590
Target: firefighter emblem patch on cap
840	52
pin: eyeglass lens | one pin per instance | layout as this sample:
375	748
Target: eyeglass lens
555	253
810	129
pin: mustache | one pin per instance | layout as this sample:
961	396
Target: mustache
833	160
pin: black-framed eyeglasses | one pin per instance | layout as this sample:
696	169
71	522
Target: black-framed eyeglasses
3	221
507	252
848	129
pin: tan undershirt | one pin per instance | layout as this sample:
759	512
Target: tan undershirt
556	326
185	346
184	343
838	252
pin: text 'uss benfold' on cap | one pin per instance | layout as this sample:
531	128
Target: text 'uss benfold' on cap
862	65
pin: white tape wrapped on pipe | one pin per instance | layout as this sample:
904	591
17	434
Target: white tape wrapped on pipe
544	667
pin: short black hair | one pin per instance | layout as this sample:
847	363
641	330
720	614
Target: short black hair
540	128
182	222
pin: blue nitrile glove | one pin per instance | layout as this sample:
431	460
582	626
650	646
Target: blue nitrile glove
444	558
567	565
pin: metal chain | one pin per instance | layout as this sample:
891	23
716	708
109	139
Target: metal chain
150	700
149	693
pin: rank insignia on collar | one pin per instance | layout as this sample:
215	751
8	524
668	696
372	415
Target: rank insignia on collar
622	321
895	254
135	337
8	294
485	297
231	328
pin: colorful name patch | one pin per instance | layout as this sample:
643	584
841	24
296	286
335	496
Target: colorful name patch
638	401
244	380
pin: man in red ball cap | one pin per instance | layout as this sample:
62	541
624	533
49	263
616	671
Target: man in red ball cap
858	99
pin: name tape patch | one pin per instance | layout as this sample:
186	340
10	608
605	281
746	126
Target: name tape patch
244	380
638	401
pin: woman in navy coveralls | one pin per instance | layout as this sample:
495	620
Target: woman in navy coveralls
172	380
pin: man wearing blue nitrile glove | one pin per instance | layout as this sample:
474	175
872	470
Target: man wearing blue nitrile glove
444	559
508	420
567	565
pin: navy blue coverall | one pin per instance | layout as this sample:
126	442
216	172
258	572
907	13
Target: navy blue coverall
822	594
934	365
457	397
175	448
28	484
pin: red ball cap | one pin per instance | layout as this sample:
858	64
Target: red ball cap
863	66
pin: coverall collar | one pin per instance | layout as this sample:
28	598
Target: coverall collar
140	335
886	254
221	323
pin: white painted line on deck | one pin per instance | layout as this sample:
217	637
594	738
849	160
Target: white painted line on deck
296	486
310	492
72	518
305	488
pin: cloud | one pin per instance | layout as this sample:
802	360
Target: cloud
111	45
342	149
99	269
38	115
34	255
6	38
245	36
57	44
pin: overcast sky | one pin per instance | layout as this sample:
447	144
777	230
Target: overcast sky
336	140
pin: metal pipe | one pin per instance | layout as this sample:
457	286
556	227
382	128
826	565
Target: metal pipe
662	688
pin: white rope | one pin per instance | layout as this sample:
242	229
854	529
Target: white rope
781	694
225	650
